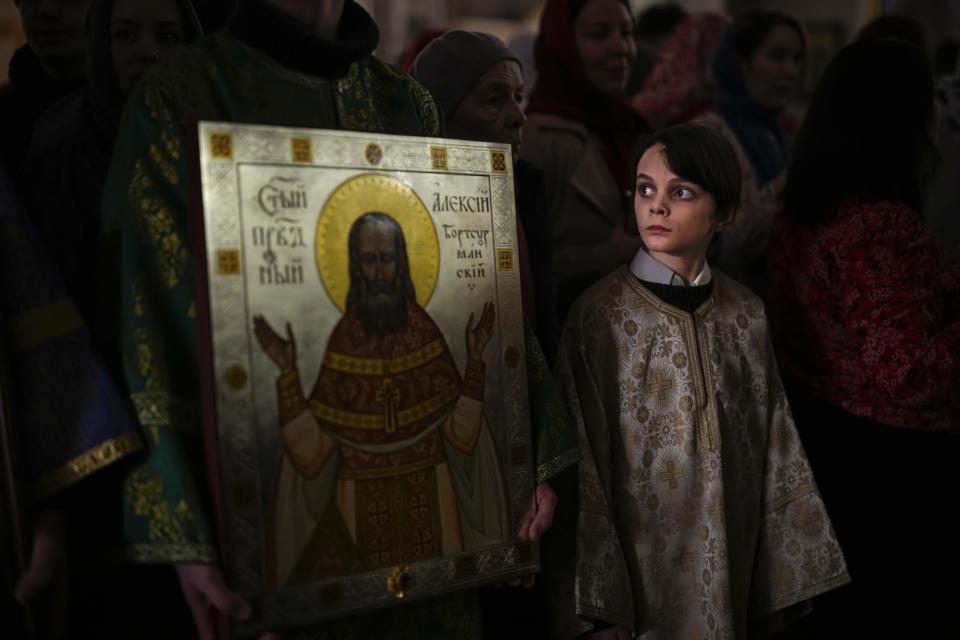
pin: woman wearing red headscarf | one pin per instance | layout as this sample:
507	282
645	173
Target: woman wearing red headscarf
580	133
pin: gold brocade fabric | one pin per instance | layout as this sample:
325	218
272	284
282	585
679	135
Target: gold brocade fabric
698	513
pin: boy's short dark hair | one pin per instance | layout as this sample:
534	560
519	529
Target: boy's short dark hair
697	153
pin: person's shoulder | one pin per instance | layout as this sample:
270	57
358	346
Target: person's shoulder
390	88
549	123
68	120
551	142
613	291
731	294
183	84
380	76
385	72
179	72
870	227
196	58
884	212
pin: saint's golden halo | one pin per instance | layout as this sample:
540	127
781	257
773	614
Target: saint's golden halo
375	192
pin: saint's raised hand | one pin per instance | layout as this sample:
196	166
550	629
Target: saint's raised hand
478	336
282	352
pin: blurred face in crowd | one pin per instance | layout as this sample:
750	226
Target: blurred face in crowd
142	32
491	111
604	34
55	32
774	72
676	217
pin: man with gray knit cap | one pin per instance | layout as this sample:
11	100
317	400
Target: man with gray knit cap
478	82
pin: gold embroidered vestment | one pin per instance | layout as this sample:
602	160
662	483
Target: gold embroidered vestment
698	513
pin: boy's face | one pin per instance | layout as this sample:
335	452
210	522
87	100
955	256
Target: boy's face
676	217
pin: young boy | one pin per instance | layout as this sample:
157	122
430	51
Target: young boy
698	515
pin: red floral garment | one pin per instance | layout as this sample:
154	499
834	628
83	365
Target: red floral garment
865	313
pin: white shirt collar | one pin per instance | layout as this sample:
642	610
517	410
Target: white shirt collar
648	268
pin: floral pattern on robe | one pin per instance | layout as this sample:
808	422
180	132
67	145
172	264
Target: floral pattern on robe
698	513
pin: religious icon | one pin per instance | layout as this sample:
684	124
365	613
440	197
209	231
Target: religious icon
390	424
370	400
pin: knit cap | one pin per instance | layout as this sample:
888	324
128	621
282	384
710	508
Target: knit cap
451	65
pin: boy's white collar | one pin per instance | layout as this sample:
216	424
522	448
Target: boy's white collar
649	269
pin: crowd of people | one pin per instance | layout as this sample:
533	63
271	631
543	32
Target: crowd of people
742	311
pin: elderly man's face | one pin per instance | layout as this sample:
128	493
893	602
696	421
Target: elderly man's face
378	256
491	111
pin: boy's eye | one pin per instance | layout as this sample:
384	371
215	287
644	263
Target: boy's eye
683	193
644	189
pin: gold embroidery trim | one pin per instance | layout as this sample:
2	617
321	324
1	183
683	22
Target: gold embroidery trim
384	366
33	326
386	472
98	457
701	373
797	492
154	553
158	409
557	464
709	424
153	408
375	421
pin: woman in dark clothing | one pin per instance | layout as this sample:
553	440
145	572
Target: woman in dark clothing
67	162
46	68
865	310
758	68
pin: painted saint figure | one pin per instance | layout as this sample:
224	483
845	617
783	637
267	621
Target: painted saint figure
389	459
